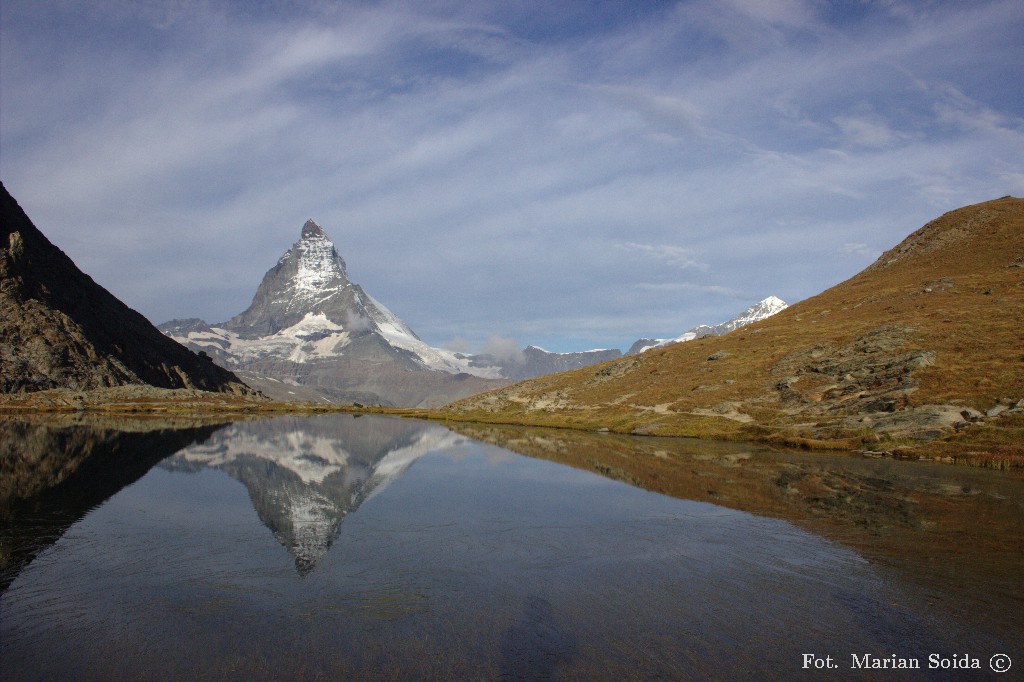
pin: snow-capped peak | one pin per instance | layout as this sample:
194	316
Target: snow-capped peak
759	311
306	310
319	266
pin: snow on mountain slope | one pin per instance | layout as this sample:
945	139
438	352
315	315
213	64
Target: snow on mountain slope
311	456
401	336
755	313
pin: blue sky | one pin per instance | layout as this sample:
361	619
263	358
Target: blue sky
568	174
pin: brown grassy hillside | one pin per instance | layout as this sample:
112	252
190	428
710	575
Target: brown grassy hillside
899	351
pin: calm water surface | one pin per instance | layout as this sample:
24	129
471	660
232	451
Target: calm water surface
348	548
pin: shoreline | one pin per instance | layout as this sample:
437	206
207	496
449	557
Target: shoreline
994	447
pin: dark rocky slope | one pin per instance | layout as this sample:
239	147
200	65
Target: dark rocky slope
60	329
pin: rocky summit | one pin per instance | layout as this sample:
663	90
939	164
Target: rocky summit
60	329
312	333
925	344
309	280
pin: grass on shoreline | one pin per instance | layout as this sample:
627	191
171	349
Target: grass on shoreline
996	445
145	400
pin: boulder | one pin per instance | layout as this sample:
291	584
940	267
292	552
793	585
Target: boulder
996	410
926	422
971	414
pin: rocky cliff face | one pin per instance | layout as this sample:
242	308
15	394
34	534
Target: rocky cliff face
59	329
309	279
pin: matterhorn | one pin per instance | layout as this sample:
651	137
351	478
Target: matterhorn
311	333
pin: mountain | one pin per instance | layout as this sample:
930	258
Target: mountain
533	362
305	475
754	313
924	341
60	329
309	329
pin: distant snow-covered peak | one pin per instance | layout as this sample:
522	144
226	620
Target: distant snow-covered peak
758	311
537	349
769	306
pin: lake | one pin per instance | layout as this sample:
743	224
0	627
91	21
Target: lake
370	547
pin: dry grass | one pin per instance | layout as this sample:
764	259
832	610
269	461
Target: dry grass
996	445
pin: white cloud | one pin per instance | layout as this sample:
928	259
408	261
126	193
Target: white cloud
866	132
354	322
504	349
955	108
862	250
676	256
715	289
781	12
458	345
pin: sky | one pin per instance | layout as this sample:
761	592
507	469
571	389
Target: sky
571	174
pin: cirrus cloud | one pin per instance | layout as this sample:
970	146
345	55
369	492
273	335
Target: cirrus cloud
579	175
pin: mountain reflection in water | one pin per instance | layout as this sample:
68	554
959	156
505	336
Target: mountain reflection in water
130	551
304	475
54	470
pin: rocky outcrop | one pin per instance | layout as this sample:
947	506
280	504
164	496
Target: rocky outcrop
60	329
874	373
